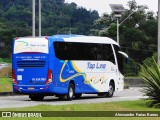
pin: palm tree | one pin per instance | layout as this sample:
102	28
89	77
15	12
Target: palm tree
150	72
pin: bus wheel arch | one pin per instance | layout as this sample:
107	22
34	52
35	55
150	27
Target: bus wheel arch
72	82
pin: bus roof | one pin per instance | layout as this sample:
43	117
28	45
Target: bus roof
85	39
77	38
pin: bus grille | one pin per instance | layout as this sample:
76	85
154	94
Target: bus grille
29	64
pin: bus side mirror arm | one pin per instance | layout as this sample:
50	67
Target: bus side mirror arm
125	55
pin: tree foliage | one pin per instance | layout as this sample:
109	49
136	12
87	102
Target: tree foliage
138	34
57	18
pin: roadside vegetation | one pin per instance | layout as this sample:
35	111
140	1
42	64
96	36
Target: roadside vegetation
150	72
5	78
5	85
137	105
6	72
6	60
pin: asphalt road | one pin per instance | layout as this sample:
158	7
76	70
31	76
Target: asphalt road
23	101
1	67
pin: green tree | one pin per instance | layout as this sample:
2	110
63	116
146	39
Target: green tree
57	17
138	34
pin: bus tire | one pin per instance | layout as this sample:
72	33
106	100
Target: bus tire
70	93
36	97
78	95
111	90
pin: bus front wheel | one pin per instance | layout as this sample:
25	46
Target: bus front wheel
111	90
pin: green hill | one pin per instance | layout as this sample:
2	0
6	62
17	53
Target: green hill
57	18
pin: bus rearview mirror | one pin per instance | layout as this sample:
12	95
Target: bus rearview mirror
124	54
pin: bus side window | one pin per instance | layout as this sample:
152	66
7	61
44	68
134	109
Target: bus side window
108	53
84	51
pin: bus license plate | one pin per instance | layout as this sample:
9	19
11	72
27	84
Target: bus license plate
31	88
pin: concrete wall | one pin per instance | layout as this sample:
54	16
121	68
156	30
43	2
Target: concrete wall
134	82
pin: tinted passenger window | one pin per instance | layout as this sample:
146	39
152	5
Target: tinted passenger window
83	51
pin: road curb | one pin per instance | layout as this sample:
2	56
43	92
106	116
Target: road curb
7	94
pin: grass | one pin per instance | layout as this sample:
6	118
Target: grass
7	60
138	105
5	85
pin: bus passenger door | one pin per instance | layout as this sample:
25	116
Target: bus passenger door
121	57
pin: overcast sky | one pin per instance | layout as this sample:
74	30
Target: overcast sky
102	6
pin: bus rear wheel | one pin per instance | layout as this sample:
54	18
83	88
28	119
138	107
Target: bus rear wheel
70	93
36	97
